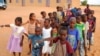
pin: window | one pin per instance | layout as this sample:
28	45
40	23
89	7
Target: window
58	1
39	1
31	1
17	1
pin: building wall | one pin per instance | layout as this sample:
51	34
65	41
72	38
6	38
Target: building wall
53	3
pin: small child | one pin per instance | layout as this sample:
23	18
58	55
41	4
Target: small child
36	47
63	48
80	27
91	28
86	24
73	35
16	41
55	17
43	14
32	24
54	34
46	32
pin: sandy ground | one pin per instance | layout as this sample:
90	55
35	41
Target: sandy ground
8	16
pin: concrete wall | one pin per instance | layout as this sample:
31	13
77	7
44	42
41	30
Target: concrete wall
53	3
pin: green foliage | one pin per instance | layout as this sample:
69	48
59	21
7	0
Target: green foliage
84	2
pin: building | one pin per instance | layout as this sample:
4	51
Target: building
48	3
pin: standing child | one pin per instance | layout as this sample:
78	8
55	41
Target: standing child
43	14
54	34
63	48
80	27
46	32
55	17
36	47
91	27
86	24
32	24
73	35
16	41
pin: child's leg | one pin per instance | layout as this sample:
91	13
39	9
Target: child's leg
14	54
81	49
30	48
19	53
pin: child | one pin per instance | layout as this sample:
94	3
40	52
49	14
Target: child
94	26
16	41
87	10
86	24
36	47
73	35
46	32
53	23
63	47
32	23
80	27
91	28
43	14
54	34
50	15
59	14
55	17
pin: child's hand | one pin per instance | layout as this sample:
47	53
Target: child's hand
40	41
21	44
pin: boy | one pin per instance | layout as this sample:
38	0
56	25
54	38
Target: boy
63	47
36	47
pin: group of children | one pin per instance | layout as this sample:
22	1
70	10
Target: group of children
67	33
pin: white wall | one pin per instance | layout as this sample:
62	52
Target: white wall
93	2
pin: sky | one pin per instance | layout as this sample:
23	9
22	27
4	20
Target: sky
93	2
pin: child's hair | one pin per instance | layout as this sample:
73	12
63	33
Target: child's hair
49	14
30	16
38	29
19	19
42	12
57	7
72	19
63	30
47	19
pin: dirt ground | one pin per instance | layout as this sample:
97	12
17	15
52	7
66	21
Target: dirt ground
8	16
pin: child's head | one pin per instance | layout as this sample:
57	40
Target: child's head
63	34
32	16
55	30
46	23
87	5
78	19
50	15
84	18
58	8
54	14
38	31
72	22
18	21
43	13
89	16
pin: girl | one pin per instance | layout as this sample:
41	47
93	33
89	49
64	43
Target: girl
73	35
16	41
63	48
46	32
32	24
54	34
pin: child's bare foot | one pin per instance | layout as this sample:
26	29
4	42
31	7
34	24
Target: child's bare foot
28	53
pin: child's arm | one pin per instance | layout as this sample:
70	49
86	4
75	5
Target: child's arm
25	23
5	25
21	43
26	34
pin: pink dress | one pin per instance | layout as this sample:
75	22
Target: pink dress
15	39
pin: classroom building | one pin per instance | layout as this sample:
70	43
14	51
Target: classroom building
41	3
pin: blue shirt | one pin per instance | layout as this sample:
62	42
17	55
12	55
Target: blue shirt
73	37
34	40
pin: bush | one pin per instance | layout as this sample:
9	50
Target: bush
84	2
